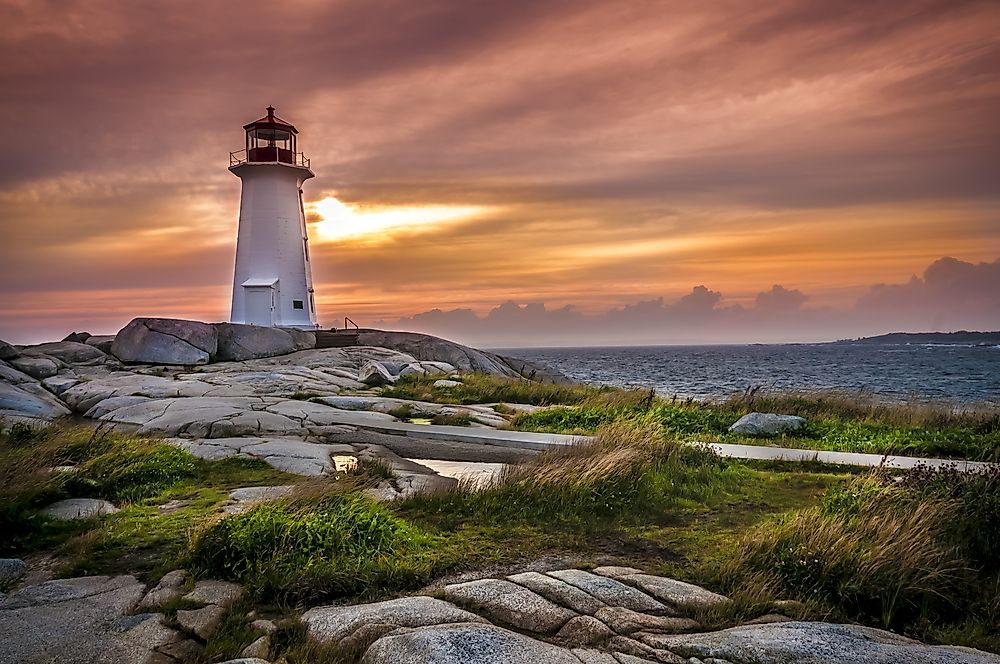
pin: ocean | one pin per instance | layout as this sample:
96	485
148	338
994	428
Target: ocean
955	373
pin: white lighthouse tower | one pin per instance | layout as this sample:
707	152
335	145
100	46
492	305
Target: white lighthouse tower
273	282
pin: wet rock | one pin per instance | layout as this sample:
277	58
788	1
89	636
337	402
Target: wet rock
464	644
222	593
676	593
817	643
766	424
508	603
333	624
559	592
625	621
202	622
79	508
609	591
165	341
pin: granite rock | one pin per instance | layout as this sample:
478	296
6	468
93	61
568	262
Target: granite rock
766	424
510	604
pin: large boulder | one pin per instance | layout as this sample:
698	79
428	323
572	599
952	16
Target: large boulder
36	366
102	342
166	341
70	352
248	342
424	347
766	424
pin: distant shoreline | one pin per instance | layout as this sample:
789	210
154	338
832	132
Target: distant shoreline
935	338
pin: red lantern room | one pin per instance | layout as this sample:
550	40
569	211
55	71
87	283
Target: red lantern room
271	139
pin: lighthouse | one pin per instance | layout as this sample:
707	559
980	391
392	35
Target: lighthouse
273	280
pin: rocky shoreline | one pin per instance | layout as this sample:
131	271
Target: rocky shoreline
224	391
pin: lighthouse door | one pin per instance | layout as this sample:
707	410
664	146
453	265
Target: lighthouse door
259	305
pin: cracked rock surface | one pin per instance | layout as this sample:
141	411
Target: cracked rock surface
508	620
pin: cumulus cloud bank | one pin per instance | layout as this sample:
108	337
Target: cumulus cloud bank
951	295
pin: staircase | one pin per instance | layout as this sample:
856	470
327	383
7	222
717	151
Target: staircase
336	339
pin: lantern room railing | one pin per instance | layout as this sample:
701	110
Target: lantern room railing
268	155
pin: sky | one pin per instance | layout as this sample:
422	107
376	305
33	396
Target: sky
543	172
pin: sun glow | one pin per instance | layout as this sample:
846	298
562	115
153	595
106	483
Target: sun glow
341	221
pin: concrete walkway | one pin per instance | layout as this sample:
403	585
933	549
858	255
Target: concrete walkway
546	441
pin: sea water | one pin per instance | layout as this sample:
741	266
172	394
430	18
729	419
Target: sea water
959	374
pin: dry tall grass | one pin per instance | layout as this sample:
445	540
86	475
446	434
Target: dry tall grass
889	565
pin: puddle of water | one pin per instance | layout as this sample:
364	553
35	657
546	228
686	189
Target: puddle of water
343	463
478	472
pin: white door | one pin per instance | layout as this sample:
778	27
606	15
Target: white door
259	305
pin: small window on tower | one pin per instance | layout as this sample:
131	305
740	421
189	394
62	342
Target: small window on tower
297	304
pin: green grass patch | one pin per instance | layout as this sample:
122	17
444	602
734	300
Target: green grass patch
916	430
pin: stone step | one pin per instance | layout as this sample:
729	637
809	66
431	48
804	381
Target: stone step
339	339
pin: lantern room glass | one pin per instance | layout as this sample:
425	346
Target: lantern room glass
271	144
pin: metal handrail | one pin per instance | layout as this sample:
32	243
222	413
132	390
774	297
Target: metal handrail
348	320
240	157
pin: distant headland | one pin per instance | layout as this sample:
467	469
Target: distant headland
960	337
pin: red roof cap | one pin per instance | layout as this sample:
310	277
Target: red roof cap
271	120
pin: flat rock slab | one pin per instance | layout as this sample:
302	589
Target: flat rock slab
508	603
814	643
465	644
287	453
609	591
79	620
559	592
676	593
333	624
79	508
